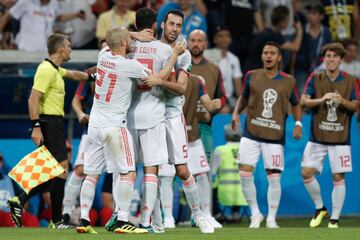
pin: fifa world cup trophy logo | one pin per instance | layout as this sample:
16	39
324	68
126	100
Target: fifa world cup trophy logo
269	97
331	106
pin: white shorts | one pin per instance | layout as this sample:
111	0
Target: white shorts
81	150
109	149
150	145
339	157
167	170
176	139
197	159
272	153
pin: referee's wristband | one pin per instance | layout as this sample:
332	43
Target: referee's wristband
35	123
298	123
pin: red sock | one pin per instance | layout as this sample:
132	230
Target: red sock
104	215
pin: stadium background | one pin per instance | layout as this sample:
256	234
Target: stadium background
16	76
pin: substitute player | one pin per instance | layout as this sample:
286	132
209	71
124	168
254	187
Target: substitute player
330	94
198	163
176	134
266	95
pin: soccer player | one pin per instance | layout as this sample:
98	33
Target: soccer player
46	110
176	135
215	89
81	104
330	94
266	95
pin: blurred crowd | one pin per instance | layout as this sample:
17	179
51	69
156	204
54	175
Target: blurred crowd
236	29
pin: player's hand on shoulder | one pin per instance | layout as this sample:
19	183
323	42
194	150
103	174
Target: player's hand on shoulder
180	48
144	36
37	136
297	133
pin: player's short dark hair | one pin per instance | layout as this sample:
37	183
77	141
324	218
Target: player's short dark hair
55	41
349	42
273	44
174	12
336	47
145	18
279	14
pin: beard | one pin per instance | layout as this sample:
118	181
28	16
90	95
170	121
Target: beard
169	39
196	52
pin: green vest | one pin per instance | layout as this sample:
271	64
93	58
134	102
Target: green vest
229	188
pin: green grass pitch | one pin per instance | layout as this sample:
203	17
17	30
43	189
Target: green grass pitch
291	228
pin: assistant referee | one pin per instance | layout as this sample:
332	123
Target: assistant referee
46	110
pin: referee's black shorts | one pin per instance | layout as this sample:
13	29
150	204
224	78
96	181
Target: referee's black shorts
52	128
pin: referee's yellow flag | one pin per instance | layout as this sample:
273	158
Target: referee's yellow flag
35	168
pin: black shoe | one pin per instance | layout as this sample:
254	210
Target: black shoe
63	224
66	218
15	210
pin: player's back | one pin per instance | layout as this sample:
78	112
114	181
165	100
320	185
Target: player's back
153	55
113	89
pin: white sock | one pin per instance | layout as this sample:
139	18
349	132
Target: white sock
192	196
204	188
249	190
72	191
166	195
156	217
87	196
273	195
115	192
149	195
338	198
313	188
125	192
